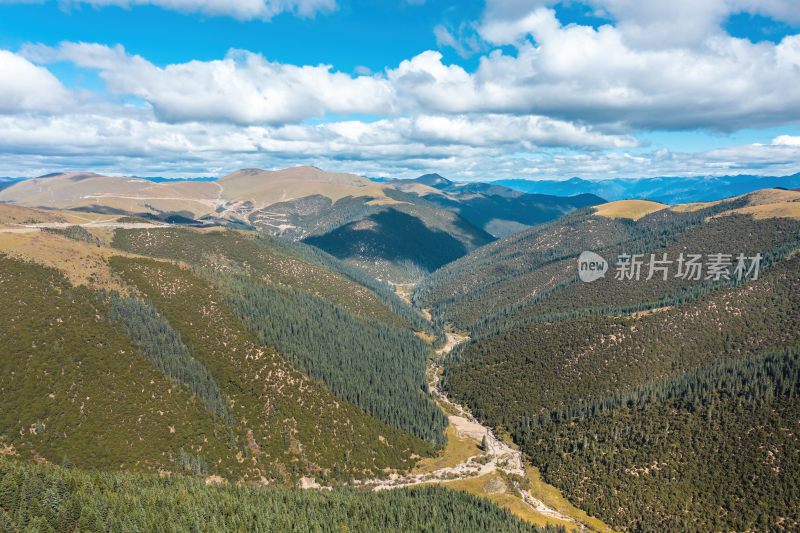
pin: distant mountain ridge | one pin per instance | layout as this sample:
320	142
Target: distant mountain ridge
397	230
8	182
670	190
496	209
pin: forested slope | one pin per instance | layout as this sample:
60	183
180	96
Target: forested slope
715	449
313	317
74	386
531	265
378	368
179	385
46	498
657	405
276	262
531	369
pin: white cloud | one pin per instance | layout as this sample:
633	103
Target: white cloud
643	23
565	100
573	73
135	132
239	9
594	75
481	131
242	88
786	140
27	87
131	141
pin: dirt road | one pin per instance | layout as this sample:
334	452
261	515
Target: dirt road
30	228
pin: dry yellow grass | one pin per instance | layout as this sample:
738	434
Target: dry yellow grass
385	201
484	487
771	196
632	209
770	203
695	206
132	195
421	189
552	497
266	187
13	214
457	450
766	211
82	263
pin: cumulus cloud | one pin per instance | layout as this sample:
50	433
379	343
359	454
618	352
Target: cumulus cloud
593	75
547	100
484	147
786	140
135	132
27	87
643	23
242	88
239	9
574	73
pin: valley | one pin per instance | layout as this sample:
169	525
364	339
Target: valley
220	352
408	266
493	468
660	389
395	230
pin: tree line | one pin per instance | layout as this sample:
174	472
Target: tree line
379	368
164	348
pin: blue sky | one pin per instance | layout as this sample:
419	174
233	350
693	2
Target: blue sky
473	90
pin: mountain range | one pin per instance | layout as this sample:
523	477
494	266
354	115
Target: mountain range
397	230
670	190
218	346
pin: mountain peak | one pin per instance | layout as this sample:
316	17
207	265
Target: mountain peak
434	180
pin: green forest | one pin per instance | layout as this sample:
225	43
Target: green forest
74	385
163	346
378	368
590	357
56	499
306	305
277	262
663	406
289	425
533	272
715	449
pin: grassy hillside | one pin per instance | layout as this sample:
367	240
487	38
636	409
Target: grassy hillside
398	230
80	384
353	341
275	262
46	498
